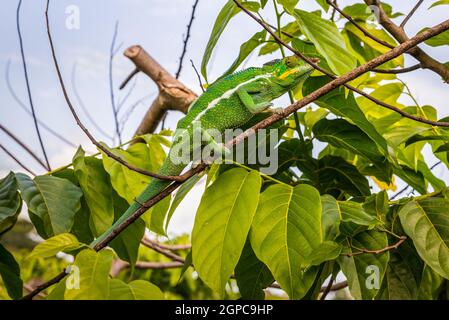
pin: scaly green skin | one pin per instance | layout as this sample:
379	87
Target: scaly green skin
228	103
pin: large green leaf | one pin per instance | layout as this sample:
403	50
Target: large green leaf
340	105
128	183
10	273
331	217
222	224
245	50
327	39
94	268
135	290
53	245
94	182
431	284
10	202
285	230
288	4
440	40
342	134
426	222
252	275
229	10
52	203
361	270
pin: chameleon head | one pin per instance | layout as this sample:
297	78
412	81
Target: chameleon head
290	71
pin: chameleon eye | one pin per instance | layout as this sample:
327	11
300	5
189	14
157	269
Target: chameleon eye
290	62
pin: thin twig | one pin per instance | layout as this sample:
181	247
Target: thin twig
198	75
378	251
81	125
27	82
398	71
26	109
112	52
17	160
83	106
358	26
128	78
334	77
23	145
156	247
186	40
412	12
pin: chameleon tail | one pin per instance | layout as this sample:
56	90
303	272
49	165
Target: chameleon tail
153	189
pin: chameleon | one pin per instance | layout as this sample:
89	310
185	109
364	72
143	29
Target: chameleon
228	103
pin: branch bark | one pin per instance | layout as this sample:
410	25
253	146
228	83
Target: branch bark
173	94
427	62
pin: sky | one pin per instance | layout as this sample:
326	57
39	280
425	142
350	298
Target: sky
158	26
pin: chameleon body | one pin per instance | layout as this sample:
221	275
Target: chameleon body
228	103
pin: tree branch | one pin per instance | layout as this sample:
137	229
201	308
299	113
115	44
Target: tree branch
155	246
332	76
27	82
173	95
427	62
398	71
358	26
412	12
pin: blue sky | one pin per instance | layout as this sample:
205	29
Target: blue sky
157	25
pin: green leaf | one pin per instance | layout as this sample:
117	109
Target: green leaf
327	39
288	4
335	173
252	275
10	273
245	50
226	14
52	202
285	230
439	40
10	202
430	286
439	3
330	223
127	243
53	245
94	182
291	28
412	178
135	290
361	270
340	105
222	224
128	183
342	134
93	275
426	222
327	250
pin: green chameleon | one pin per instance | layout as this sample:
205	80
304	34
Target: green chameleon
228	103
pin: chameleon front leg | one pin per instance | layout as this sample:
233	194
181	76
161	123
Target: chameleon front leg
249	103
217	147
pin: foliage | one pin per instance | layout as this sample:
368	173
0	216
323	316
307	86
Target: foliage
326	210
